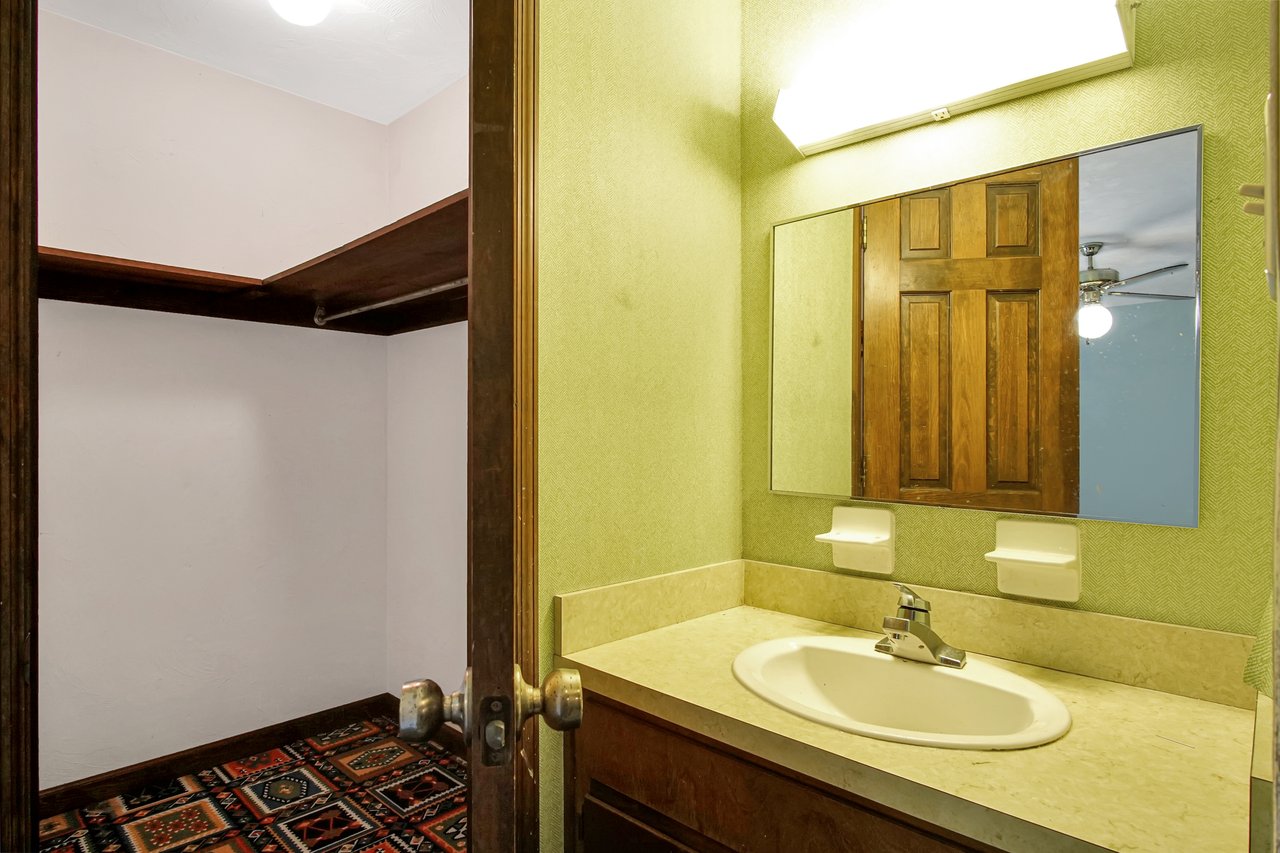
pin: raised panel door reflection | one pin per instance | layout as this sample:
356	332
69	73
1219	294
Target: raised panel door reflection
926	362
1012	390
1013	219
971	375
926	224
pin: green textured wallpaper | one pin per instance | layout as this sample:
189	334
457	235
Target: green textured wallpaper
660	172
1198	63
639	315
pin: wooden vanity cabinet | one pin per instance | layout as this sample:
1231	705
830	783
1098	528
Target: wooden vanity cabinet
636	783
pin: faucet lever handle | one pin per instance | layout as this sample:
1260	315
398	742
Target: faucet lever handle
908	598
896	626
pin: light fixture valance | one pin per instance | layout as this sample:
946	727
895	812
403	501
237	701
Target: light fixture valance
895	64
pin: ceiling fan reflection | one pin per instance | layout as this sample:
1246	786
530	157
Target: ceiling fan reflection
1106	280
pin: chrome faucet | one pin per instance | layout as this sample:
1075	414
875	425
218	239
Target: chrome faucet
908	634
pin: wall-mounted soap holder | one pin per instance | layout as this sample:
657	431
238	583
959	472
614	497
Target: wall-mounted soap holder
1037	559
861	539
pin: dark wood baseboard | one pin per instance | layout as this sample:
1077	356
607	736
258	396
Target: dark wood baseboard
94	789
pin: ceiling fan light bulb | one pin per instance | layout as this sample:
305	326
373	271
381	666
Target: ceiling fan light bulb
1093	321
304	13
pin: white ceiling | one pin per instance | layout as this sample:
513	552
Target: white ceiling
373	58
1142	201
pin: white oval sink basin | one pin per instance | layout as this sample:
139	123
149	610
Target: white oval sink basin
845	683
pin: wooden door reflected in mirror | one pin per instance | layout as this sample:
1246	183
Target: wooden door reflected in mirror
970	359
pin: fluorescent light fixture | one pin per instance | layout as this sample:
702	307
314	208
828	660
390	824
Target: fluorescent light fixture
896	64
304	13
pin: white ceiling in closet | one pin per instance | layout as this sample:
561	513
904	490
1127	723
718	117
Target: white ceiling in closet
373	58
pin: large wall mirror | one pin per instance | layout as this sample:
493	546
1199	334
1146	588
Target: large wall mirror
1024	341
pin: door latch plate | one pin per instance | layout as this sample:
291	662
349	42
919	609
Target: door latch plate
495	723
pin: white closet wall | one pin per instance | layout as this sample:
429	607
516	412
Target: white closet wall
216	507
427	425
146	155
212	530
426	507
428	150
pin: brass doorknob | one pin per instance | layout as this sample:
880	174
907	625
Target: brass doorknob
424	708
421	709
558	700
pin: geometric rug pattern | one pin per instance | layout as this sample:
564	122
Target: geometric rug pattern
357	789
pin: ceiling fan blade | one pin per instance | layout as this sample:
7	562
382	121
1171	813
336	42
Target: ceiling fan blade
1149	274
1147	295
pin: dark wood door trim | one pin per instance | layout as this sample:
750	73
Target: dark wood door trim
501	463
525	616
18	779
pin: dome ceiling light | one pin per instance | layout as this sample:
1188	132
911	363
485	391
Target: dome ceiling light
304	13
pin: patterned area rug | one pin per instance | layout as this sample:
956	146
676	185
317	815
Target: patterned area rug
357	789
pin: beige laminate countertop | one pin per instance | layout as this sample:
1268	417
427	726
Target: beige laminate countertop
1140	770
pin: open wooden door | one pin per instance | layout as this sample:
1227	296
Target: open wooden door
502	589
18	780
497	709
971	360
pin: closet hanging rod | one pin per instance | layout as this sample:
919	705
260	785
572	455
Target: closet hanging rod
321	317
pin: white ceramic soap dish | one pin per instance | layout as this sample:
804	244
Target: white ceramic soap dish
1037	559
861	539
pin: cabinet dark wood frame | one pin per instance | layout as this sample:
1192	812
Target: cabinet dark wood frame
635	782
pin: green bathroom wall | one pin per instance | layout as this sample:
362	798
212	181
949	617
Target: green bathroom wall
659	174
1197	63
639	314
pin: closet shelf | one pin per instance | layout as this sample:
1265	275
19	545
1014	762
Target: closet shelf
424	249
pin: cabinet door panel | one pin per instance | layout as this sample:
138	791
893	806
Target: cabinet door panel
723	800
605	829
